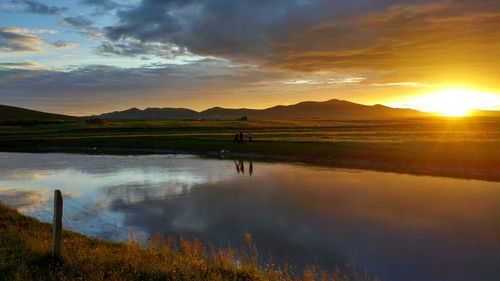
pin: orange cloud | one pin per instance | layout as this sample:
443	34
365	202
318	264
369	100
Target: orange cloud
444	41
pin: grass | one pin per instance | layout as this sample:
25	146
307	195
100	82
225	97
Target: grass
25	245
463	147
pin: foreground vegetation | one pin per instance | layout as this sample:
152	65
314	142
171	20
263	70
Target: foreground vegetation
459	147
25	245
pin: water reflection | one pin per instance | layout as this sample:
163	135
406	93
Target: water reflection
25	200
240	167
404	227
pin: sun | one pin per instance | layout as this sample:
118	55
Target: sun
451	102
454	102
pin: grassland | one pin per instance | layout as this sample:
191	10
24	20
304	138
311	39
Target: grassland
458	147
25	245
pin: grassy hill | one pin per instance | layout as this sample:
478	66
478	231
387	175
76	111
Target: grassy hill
22	114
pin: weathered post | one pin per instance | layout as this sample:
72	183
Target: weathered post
57	225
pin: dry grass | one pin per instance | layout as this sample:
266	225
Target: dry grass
25	255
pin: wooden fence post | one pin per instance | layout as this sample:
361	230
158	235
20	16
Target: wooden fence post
57	224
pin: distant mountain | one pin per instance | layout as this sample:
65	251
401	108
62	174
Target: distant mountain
332	109
13	113
152	113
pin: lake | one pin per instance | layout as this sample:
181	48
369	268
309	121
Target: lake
402	227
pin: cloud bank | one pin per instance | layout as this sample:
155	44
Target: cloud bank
412	39
266	50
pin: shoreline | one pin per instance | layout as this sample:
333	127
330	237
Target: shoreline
363	164
435	147
26	245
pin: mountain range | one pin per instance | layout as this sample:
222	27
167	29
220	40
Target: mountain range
331	109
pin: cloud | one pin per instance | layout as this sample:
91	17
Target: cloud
20	65
415	38
101	78
35	7
105	88
402	84
265	50
437	42
222	28
132	48
198	85
105	5
39	31
13	40
395	36
63	44
325	79
83	25
76	22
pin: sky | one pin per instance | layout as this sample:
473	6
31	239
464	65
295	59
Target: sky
91	56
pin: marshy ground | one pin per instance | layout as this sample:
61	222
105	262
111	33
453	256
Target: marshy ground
458	147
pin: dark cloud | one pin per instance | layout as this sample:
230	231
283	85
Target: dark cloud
36	7
410	37
63	44
105	5
235	29
83	25
225	28
76	22
20	65
134	48
18	40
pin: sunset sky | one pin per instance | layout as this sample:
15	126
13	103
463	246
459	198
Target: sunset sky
92	56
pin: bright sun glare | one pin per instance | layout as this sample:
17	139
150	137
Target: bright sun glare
455	102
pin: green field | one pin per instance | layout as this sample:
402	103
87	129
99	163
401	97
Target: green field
458	147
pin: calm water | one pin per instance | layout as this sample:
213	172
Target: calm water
402	227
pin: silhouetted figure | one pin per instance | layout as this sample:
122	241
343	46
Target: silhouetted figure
236	137
250	168
241	136
250	137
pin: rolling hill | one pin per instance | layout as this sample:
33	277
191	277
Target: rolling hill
21	114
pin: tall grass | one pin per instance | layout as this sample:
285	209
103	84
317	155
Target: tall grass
25	246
